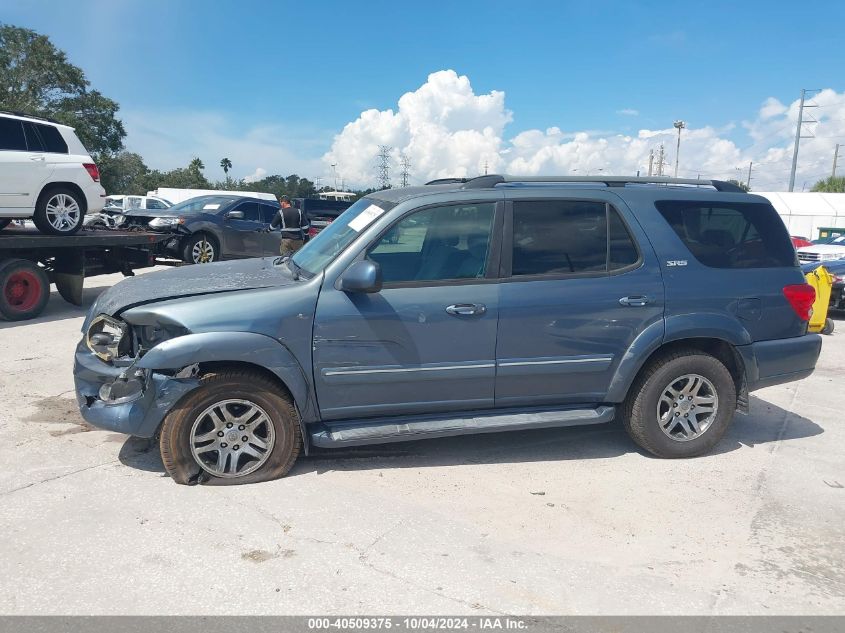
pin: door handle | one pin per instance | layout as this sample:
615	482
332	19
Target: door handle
466	309
634	301
41	158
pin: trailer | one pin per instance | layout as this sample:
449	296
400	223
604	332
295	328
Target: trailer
30	261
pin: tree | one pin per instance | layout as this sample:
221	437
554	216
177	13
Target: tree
226	164
124	173
196	165
37	78
833	184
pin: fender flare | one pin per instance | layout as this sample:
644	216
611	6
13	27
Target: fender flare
240	347
671	329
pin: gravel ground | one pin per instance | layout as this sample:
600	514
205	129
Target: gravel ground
569	521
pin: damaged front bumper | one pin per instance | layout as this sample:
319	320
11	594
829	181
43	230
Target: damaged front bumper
135	406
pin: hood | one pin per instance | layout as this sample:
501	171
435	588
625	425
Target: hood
188	281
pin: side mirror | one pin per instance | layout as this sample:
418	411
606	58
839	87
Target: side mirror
235	215
362	276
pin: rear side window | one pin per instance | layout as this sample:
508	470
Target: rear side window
566	237
33	140
720	235
11	135
51	138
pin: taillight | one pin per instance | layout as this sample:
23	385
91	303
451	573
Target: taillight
801	298
92	170
312	232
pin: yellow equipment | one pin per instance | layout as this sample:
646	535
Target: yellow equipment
822	281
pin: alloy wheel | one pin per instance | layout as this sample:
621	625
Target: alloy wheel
687	407
202	252
63	212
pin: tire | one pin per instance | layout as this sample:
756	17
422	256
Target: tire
196	245
678	370
54	202
828	326
229	392
24	290
5	223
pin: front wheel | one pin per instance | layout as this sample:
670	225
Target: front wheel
237	427
200	249
681	404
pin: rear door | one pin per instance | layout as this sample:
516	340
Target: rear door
580	282
23	165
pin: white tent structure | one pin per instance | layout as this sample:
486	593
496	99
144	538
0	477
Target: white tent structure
805	213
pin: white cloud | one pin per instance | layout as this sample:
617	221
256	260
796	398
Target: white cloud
448	130
170	139
628	112
258	174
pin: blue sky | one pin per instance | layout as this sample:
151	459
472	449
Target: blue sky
305	70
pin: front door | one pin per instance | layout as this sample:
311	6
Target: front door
243	237
427	341
581	282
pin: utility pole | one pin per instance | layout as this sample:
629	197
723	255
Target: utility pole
660	161
650	161
383	168
334	172
798	129
748	181
679	125
835	157
485	165
406	169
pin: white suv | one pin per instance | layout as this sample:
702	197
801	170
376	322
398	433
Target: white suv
46	174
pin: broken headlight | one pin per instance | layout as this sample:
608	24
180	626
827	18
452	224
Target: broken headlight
107	337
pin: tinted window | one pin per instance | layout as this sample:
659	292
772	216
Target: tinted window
268	212
11	134
33	140
559	237
51	138
250	211
436	244
621	250
744	235
155	204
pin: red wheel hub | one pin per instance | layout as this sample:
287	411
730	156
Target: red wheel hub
22	290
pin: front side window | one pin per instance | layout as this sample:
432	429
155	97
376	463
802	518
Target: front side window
11	135
155	204
250	211
451	242
728	235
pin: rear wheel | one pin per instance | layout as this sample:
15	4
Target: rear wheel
237	427
200	249
24	290
681	404
59	211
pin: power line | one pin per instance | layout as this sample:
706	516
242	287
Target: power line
383	167
406	168
798	133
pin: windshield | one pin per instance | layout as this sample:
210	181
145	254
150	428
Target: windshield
331	241
209	204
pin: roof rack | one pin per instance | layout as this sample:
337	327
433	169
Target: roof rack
29	116
486	182
447	181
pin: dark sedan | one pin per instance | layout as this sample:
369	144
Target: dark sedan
210	228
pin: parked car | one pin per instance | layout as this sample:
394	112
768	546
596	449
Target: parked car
45	174
320	212
837	269
209	228
833	248
798	242
506	305
113	214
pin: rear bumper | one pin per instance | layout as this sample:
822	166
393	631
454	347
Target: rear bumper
770	363
95	197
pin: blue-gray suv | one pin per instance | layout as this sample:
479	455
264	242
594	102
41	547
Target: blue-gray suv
466	306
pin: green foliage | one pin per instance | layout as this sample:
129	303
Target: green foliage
37	78
226	164
124	173
830	185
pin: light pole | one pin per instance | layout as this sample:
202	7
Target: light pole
679	125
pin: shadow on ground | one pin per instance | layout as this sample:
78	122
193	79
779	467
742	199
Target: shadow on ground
58	309
767	423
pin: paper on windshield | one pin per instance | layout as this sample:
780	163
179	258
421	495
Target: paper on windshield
211	206
365	218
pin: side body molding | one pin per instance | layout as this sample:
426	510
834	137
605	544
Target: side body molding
243	347
673	328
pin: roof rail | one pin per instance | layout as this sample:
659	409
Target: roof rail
29	116
447	181
485	182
